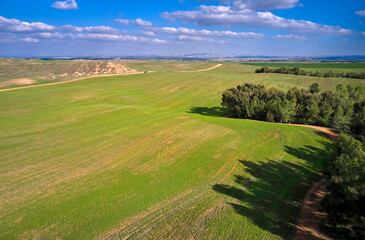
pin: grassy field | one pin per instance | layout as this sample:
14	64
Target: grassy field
149	156
22	72
168	66
314	66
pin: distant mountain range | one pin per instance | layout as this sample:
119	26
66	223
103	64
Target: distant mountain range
206	56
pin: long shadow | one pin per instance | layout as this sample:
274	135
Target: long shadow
271	193
209	111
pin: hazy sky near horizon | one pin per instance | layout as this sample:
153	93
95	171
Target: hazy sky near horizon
176	27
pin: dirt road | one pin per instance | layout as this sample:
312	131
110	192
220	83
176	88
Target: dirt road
204	70
308	223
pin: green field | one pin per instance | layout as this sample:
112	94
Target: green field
167	66
314	66
149	157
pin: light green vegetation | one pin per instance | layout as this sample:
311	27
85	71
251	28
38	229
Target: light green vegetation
20	72
149	157
314	66
167	66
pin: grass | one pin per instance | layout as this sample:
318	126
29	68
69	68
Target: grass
314	66
148	156
168	66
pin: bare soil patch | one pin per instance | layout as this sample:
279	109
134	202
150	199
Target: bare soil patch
308	224
333	135
17	82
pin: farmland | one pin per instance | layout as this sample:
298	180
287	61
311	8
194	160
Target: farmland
150	156
313	66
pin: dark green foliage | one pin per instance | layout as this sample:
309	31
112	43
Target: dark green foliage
314	88
346	173
298	71
343	109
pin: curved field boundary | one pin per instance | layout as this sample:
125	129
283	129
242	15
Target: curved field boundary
67	81
204	70
307	226
333	135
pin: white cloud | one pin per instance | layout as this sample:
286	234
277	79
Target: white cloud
65	5
146	33
194	32
122	21
360	13
228	15
197	39
14	25
7	37
29	40
137	22
54	35
264	4
96	29
113	37
290	37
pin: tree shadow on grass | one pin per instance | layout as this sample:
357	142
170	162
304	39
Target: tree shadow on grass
209	111
272	194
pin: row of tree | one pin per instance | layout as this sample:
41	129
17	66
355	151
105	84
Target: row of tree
346	201
343	109
299	71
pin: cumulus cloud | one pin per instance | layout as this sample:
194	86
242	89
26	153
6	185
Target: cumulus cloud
194	32
290	37
231	15
54	35
197	39
65	5
146	33
7	37
113	37
264	4
360	13
95	29
137	22
14	25
29	40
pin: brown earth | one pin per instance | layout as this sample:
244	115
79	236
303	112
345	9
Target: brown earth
17	82
308	224
204	70
311	212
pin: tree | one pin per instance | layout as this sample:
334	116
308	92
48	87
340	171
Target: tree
288	111
348	167
314	88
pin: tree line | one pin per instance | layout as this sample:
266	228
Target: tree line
346	175
299	71
343	109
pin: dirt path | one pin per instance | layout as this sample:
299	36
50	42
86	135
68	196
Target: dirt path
204	70
333	135
307	226
67	81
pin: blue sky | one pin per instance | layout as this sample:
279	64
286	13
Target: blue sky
176	27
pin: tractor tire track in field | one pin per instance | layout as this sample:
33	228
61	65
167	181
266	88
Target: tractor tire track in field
140	225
